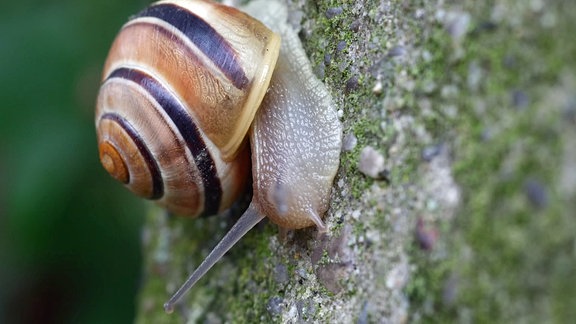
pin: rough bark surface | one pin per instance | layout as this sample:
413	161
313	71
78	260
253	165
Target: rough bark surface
458	153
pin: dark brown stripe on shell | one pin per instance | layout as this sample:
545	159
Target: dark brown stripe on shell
157	184
188	130
206	38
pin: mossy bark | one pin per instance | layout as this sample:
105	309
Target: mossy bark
471	215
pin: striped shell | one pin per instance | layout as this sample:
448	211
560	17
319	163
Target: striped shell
181	85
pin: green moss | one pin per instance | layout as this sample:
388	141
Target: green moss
508	253
254	285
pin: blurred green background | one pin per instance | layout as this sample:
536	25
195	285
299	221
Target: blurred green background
69	235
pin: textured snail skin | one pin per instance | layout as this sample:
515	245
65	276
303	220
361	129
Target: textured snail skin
296	139
296	135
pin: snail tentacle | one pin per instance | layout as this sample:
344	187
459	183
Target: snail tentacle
249	219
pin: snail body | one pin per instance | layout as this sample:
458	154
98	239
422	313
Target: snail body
186	85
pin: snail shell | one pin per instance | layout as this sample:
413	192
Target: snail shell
183	83
177	100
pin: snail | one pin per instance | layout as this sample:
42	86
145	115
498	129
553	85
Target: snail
196	92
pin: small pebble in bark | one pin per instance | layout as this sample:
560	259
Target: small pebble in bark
302	273
483	27
430	152
280	273
352	84
520	99
332	271
450	290
327	59
426	235
397	51
456	24
536	193
306	308
333	12
356	214
341	46
274	306
331	275
377	89
355	26
371	162
349	142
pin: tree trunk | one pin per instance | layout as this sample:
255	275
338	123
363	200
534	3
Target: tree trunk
455	186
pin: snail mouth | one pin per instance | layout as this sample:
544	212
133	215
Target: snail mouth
126	157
